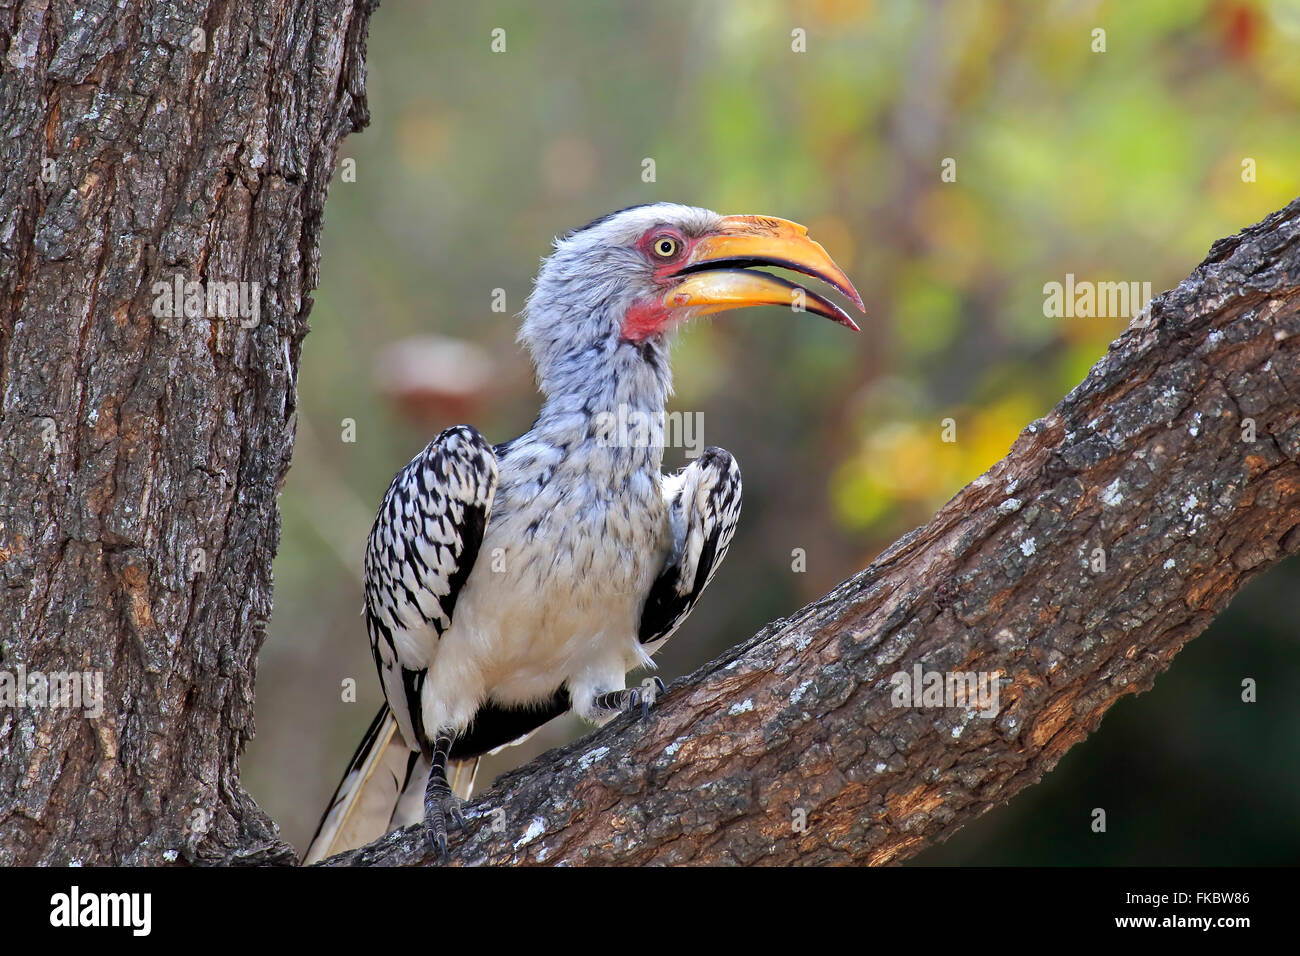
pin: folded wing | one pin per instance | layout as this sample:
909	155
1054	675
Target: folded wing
703	507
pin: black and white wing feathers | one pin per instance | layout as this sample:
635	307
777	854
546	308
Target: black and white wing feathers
422	547
703	508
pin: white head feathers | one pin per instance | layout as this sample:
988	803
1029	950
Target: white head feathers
573	318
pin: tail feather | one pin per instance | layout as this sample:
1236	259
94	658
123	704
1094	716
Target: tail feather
382	790
463	773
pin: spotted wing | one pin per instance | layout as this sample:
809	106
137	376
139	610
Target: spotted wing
703	502
424	544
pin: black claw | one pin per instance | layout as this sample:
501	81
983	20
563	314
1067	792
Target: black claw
436	828
646	699
442	809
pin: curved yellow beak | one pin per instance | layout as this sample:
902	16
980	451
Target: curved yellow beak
718	277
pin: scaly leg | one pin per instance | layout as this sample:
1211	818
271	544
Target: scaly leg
439	800
625	700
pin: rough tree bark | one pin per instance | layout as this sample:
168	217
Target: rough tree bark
1150	459
141	453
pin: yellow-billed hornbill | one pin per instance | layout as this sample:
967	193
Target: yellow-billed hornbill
508	584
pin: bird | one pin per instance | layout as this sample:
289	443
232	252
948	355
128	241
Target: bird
508	584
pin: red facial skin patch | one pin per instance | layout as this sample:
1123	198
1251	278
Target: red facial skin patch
650	317
643	320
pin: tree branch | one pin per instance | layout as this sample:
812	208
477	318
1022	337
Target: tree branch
1113	532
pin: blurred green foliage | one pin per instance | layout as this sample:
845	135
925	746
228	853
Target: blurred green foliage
1115	166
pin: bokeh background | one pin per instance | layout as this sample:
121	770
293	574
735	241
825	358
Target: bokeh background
1117	166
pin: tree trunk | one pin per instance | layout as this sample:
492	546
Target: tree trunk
146	437
1075	568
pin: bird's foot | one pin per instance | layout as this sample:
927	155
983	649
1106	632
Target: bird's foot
652	688
440	803
617	701
441	808
623	701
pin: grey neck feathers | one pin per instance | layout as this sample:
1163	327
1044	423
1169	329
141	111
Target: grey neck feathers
600	392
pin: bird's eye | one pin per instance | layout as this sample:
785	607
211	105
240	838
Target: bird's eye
666	247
